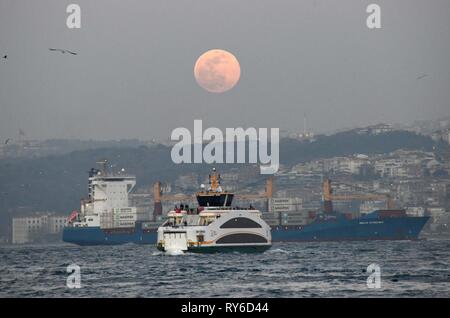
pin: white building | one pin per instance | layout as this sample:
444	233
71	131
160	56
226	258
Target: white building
307	168
391	168
56	224
349	165
27	229
380	129
375	129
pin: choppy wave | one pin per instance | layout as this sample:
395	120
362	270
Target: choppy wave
408	269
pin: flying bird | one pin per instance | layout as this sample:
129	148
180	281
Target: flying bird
5	57
421	76
63	51
7	140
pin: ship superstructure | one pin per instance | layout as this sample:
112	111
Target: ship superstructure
107	205
105	216
214	195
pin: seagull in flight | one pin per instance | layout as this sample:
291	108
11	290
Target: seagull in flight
7	140
421	76
63	51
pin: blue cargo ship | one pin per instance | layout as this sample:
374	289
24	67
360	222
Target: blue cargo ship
106	219
369	227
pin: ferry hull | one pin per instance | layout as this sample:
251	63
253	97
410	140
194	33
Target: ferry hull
399	228
230	249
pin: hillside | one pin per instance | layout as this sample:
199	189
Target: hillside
58	182
347	143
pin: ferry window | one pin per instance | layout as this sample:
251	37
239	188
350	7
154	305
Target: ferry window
242	238
240	222
206	220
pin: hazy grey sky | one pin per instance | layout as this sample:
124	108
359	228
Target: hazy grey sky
133	76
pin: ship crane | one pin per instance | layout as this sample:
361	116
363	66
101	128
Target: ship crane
158	195
328	197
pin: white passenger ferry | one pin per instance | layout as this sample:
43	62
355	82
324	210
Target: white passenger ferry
215	226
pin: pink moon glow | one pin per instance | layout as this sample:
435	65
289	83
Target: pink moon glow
217	71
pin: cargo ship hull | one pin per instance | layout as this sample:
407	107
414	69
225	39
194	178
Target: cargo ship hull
402	228
96	236
340	229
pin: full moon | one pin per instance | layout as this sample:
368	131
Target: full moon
217	71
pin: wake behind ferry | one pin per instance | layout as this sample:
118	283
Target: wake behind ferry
105	217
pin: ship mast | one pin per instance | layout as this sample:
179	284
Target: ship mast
214	181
